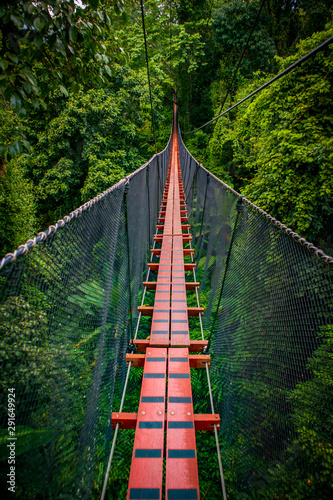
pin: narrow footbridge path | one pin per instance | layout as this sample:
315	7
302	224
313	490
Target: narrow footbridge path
102	399
166	396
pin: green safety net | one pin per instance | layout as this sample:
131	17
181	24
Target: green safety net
67	312
68	307
267	294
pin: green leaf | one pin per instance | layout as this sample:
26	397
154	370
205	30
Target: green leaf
108	19
58	23
107	70
18	21
14	58
29	76
63	90
15	102
61	47
73	33
12	150
93	3
39	23
124	16
2	10
4	64
100	15
38	41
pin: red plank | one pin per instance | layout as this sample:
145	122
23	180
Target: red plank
195	345
147	459
148	310
196	361
181	453
202	422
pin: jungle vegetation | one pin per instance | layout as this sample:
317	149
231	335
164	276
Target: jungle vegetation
75	119
75	114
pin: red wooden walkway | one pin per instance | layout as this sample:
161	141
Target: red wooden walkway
166	395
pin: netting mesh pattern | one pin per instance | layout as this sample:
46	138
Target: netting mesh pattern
69	307
67	314
268	303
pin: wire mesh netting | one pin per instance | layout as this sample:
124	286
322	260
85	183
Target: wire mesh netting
268	300
69	307
67	314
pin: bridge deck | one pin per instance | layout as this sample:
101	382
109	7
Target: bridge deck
167	364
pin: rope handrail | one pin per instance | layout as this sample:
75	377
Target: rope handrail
295	236
11	257
274	79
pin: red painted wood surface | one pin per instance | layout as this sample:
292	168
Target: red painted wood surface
195	345
196	361
181	453
202	422
147	459
169	339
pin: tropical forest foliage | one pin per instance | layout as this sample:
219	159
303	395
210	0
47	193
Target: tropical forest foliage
75	118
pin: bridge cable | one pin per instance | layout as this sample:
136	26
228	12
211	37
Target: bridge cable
235	73
237	67
147	63
277	77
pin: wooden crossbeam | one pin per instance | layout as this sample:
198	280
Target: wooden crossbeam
196	360
202	422
189	285
195	345
147	458
191	311
188	266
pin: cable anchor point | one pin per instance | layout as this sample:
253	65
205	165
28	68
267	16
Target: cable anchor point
131	348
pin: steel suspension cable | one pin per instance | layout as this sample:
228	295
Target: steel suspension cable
235	73
277	77
148	74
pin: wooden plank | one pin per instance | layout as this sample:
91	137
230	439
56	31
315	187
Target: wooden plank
189	285
147	458
196	360
181	454
202	421
195	345
186	237
148	310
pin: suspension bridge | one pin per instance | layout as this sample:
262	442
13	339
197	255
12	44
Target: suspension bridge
177	398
